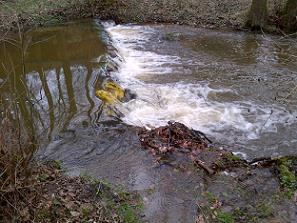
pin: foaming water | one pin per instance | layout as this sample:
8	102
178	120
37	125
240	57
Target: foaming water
189	103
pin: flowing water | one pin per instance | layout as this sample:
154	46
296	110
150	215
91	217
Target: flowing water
216	82
238	88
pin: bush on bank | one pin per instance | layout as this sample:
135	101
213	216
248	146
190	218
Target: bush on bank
279	15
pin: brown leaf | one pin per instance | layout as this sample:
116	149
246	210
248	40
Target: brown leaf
74	213
200	219
25	214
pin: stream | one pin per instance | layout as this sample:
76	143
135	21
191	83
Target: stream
240	89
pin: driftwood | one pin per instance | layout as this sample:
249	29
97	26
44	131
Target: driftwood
263	161
202	165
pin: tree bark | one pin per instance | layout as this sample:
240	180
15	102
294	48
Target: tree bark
258	14
291	16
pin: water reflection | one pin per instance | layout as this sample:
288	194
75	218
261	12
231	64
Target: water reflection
244	49
50	76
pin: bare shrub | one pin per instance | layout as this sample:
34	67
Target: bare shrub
16	183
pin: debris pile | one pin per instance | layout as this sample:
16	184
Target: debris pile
177	138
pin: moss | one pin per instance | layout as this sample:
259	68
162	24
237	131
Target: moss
137	19
225	217
265	210
57	164
229	160
287	176
85	212
128	214
171	36
231	157
210	197
126	205
43	177
254	213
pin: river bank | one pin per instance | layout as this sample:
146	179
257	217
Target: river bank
52	196
221	14
69	112
34	191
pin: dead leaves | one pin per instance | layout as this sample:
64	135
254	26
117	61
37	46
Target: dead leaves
55	197
200	219
175	137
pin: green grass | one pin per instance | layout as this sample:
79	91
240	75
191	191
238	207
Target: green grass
117	199
210	197
225	217
287	176
127	213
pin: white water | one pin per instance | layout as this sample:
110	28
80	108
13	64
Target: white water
156	104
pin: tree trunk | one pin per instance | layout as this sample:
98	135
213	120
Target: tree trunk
291	16
258	14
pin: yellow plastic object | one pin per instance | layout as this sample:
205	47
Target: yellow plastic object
115	89
106	96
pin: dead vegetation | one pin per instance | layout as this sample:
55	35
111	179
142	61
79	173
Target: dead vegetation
16	185
176	139
29	13
206	13
35	192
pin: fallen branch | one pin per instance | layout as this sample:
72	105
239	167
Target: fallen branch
202	165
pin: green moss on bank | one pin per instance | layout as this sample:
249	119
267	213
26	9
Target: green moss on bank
116	199
287	175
